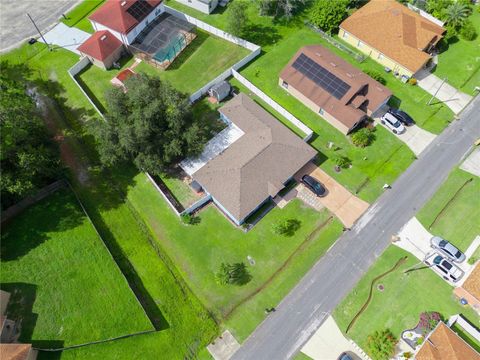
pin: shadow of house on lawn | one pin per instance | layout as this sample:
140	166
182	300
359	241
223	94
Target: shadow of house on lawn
262	35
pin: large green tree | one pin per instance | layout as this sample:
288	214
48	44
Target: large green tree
327	15
237	19
29	158
456	14
280	8
152	124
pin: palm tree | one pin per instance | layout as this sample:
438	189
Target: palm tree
456	14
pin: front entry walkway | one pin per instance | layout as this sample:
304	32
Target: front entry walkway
69	38
453	98
347	207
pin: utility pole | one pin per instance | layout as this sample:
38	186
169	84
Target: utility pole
436	92
39	32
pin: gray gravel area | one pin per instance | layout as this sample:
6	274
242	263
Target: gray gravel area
15	25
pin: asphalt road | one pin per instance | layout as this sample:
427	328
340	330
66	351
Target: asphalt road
15	25
302	311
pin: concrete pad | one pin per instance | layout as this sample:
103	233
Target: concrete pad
347	207
223	347
328	343
473	246
472	163
416	138
415	239
69	38
454	99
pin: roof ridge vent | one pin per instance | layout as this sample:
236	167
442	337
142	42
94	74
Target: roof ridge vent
123	3
349	75
333	64
103	37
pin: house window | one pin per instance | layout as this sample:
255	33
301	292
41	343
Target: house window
321	112
345	35
285	84
380	56
359	44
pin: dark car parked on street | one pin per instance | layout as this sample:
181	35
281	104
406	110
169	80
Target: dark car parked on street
402	116
314	185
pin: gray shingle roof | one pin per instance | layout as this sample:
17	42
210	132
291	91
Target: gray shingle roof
256	165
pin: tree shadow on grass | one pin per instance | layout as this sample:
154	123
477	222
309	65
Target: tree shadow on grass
262	35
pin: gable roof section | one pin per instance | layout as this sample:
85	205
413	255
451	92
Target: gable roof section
100	45
394	30
472	283
360	87
444	344
123	15
256	165
15	351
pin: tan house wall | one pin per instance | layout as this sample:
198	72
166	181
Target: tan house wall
108	62
472	301
315	108
374	54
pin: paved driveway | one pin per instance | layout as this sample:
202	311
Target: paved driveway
328	343
347	207
15	25
453	98
415	137
472	163
69	38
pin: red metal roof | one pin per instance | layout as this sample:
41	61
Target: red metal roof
125	74
114	14
100	45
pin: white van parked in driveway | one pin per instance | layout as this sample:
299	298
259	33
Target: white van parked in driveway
391	122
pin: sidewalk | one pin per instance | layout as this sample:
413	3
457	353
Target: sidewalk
453	98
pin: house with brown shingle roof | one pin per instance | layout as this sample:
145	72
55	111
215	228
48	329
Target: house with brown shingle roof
469	292
444	344
256	165
393	35
125	19
333	88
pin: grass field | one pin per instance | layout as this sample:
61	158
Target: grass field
454	213
460	63
203	60
198	251
398	307
66	289
78	17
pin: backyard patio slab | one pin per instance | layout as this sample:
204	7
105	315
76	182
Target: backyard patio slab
347	207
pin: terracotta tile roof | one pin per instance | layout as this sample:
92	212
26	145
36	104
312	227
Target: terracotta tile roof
256	165
362	87
100	45
14	351
125	74
472	283
396	31
444	344
115	14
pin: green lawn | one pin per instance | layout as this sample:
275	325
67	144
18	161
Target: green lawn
459	218
398	307
78	17
203	60
171	303
65	287
460	63
467	337
198	251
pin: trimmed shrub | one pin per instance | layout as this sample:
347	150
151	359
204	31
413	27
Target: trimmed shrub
468	31
233	274
286	227
381	344
376	76
341	161
412	81
428	321
362	137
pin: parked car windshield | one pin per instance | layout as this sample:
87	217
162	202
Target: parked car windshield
458	254
443	243
437	260
396	124
447	265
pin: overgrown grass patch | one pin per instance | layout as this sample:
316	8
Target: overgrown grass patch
454	211
66	289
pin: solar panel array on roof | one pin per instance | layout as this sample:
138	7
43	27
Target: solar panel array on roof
321	76
139	10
